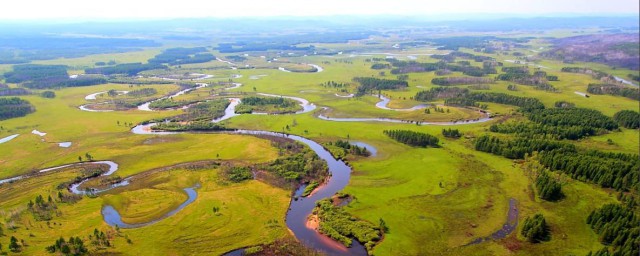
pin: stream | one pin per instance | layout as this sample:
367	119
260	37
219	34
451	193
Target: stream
318	69
112	216
483	119
508	227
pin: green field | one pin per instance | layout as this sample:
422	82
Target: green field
433	200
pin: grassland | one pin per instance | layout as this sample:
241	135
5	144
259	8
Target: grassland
434	200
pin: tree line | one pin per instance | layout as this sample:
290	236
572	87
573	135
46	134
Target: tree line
614	89
609	170
5	90
130	69
181	55
411	138
446	81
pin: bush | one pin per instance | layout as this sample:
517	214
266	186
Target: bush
48	94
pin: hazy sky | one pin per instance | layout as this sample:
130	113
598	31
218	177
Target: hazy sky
152	9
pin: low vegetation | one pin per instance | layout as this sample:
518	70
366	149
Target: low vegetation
336	223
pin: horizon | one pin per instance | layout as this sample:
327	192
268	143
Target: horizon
72	11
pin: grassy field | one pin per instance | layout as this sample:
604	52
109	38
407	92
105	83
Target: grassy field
433	200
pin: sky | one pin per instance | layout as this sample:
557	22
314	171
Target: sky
159	9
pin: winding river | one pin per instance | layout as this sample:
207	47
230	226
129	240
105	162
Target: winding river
301	208
385	101
112	217
145	106
483	119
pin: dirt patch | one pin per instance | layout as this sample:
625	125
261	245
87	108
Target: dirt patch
159	140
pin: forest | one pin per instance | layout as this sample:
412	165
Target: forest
618	228
177	56
559	123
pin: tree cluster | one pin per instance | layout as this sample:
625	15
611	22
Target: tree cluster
411	138
451	133
238	174
144	92
564	104
380	66
368	84
41	209
628	119
5	90
48	94
548	187
446	81
519	147
338	224
334	84
352	149
521	75
74	246
441	93
614	89
535	229
14	107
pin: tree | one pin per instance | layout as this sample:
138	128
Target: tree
79	158
13	245
383	226
88	156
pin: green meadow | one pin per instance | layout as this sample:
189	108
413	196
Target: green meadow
434	201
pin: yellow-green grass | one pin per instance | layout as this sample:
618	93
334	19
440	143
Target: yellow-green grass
250	213
101	136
